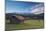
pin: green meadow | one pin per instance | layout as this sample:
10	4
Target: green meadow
28	24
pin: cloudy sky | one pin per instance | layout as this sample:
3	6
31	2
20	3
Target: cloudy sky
24	7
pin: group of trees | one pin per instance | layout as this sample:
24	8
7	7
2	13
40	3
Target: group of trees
15	19
20	19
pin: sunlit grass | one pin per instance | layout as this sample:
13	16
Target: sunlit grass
28	24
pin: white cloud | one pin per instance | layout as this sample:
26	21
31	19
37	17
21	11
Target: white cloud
38	9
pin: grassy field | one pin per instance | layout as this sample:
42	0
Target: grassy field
28	24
